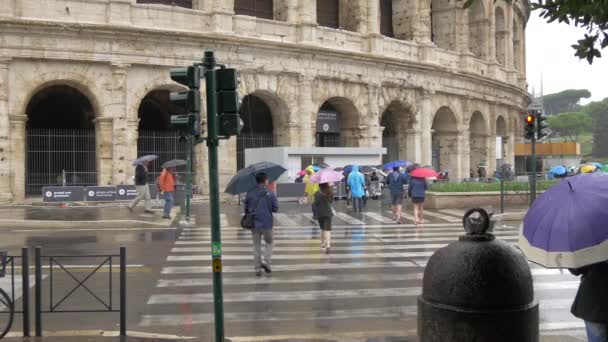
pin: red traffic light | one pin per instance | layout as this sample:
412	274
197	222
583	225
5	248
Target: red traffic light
530	118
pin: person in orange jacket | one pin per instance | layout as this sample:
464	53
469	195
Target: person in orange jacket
166	183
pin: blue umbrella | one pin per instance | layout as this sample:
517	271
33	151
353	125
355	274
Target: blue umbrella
566	226
396	163
597	165
558	170
144	159
244	180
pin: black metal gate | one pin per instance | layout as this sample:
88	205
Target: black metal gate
391	143
163	143
59	157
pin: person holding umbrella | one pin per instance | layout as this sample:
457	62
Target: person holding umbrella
591	301
141	182
321	206
417	190
396	180
263	204
166	184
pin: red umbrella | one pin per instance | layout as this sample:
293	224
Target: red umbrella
424	173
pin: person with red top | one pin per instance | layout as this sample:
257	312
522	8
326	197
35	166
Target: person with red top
166	183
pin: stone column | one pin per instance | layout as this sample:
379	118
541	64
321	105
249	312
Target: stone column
119	12
425	116
124	138
307	111
291	11
509	37
491	53
307	21
462	156
17	156
222	12
373	16
422	21
5	157
371	120
104	136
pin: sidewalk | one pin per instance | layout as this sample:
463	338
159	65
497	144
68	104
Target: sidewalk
82	217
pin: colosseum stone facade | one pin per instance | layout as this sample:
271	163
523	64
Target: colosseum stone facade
84	83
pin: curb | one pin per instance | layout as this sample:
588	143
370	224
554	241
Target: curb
102	334
511	216
58	224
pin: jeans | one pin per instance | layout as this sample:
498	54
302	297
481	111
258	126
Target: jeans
143	191
357	203
596	332
261	256
168	203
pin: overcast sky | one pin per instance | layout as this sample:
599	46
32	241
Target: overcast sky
549	53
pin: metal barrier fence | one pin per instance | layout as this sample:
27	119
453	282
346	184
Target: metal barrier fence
165	144
58	305
51	151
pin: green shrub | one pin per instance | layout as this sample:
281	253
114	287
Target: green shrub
494	186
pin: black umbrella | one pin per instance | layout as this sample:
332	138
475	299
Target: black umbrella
244	180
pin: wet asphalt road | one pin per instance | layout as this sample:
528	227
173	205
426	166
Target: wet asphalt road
367	285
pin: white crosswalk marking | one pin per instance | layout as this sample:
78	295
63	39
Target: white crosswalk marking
380	262
224	220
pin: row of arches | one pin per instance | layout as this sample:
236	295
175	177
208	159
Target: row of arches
62	133
397	19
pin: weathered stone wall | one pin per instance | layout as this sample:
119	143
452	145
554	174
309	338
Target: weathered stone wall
115	52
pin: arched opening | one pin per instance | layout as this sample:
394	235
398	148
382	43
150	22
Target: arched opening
444	140
478	142
395	120
337	124
258	128
478	30
61	148
179	3
501	136
443	20
386	18
255	8
500	36
517	50
328	13
340	14
155	135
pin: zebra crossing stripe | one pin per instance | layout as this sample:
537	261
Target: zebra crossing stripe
354	254
409	217
335	241
378	217
223	220
308	216
362	233
285	220
295	267
228	249
388	229
454	212
440	216
349	219
303	226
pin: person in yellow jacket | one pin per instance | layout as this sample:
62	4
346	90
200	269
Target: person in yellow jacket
311	188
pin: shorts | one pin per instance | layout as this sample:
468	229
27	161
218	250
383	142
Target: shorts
417	200
396	199
325	223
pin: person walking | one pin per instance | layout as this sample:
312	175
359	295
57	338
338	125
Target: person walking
396	181
311	188
324	213
166	184
417	191
591	301
141	184
263	203
356	184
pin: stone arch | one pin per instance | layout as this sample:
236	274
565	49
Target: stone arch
74	81
60	138
478	26
478	142
500	35
337	123
445	140
340	14
395	121
258	122
154	132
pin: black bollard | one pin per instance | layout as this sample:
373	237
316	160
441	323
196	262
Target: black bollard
477	289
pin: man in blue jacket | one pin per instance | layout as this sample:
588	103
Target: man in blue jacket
396	181
356	183
263	203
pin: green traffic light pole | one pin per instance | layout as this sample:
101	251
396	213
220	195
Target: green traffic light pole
533	176
188	175
214	194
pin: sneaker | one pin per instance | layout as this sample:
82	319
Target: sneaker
148	211
166	217
327	250
266	268
258	273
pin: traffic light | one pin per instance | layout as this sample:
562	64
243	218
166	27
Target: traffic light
230	122
189	101
529	130
542	129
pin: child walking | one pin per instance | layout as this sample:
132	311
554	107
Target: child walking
324	213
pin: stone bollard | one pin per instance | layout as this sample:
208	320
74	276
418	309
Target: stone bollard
478	289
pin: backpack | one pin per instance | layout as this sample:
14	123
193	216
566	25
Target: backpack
248	220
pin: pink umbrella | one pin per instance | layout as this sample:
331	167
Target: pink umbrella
326	176
302	173
424	173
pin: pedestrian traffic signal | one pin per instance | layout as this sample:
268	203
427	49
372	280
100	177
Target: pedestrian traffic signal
542	129
189	101
190	76
529	131
230	122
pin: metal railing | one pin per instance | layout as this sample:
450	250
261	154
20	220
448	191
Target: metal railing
58	305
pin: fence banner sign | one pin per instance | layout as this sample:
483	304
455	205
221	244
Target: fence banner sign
100	193
63	194
126	192
290	190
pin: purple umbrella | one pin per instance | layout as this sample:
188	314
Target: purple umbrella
566	227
